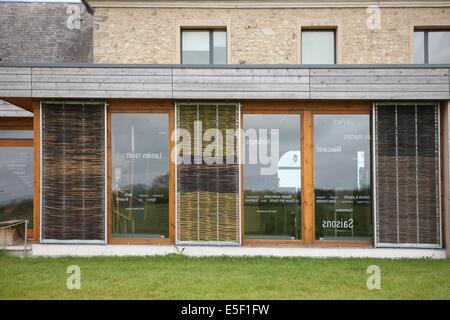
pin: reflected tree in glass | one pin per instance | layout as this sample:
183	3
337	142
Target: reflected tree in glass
140	175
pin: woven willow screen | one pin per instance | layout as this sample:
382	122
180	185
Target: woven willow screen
207	182
73	171
407	174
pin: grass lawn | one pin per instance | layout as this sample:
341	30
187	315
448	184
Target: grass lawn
180	277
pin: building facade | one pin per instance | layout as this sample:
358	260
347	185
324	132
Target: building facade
240	123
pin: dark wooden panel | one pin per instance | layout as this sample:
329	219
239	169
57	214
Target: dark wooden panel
73	171
407	173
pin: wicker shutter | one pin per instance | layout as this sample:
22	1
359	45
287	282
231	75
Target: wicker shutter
73	172
208	194
407	175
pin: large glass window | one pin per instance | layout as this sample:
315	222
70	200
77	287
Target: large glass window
272	176
342	182
140	175
204	46
16	184
318	47
432	46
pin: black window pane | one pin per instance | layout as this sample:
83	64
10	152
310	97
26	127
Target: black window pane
342	181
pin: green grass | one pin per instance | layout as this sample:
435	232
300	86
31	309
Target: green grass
180	277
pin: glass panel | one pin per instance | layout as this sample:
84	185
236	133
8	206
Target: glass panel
439	47
16	134
272	176
342	177
220	47
16	184
140	175
419	50
195	46
318	47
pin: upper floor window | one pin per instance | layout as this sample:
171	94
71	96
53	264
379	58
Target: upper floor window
204	46
432	46
318	46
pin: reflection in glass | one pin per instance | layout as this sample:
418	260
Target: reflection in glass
195	46
439	46
342	177
318	47
419	47
207	46
16	184
432	46
220	47
272	198
140	175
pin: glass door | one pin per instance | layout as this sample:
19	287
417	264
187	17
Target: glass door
139	202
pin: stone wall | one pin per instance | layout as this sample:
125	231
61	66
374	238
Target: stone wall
151	35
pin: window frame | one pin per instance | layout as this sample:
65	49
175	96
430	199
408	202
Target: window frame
275	111
211	42
426	31
307	110
21	123
333	29
363	243
123	107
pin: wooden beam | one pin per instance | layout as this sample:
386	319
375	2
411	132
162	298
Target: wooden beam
308	177
24	103
16	123
37	168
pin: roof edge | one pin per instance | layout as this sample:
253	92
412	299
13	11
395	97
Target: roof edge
88	7
269	4
227	66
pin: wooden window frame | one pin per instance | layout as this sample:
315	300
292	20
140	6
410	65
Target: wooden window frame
20	123
306	110
131	106
278	111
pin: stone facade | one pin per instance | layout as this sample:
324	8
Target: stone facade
259	36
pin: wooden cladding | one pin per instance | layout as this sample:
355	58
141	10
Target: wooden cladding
73	171
407	174
207	182
280	82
